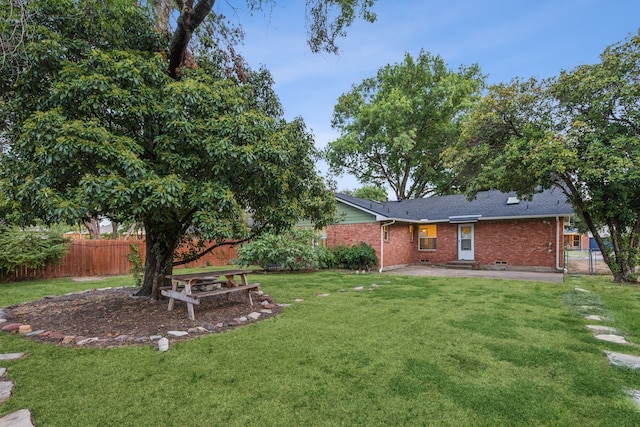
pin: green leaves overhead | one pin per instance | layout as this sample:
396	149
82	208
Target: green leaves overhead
580	132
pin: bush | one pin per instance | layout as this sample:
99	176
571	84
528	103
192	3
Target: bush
358	257
30	248
292	250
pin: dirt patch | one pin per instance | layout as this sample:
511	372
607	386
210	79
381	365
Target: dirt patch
119	318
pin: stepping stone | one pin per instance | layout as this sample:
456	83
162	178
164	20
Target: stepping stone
322	295
298	300
11	356
358	288
612	338
5	390
593	317
582	290
623	360
598	329
635	396
2	372
21	418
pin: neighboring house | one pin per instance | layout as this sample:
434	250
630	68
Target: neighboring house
574	240
494	231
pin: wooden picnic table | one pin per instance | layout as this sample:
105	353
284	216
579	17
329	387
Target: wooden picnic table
191	287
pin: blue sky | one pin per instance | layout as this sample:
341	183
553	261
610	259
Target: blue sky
506	38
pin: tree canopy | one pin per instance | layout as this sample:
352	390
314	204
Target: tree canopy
394	126
100	121
579	131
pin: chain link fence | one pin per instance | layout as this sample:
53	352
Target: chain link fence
585	262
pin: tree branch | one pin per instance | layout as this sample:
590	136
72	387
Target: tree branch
189	19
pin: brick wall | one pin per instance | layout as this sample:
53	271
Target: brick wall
353	234
519	243
530	243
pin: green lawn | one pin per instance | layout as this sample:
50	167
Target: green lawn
415	351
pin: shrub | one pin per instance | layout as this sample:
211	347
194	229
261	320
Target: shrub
292	250
30	248
358	257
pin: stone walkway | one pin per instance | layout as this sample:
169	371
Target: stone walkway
22	417
611	334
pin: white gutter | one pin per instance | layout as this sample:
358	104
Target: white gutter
382	226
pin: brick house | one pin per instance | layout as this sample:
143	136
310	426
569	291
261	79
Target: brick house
494	231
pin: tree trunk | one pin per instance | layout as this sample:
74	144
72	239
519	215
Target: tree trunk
158	263
93	226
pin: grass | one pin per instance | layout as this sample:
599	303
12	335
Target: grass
415	351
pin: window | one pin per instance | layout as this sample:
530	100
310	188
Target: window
572	240
323	237
385	231
427	235
411	233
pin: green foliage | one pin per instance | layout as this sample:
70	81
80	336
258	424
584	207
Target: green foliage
137	271
31	248
393	127
579	132
370	192
96	126
358	257
292	250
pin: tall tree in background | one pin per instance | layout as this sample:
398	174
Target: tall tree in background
394	126
110	112
579	132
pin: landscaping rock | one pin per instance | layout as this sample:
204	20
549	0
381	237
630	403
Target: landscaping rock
269	306
56	336
612	338
11	356
193	330
177	333
35	333
88	341
623	360
635	396
599	329
5	390
266	311
254	315
11	327
155	337
69	339
21	418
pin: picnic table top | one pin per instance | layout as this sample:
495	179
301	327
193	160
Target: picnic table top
207	274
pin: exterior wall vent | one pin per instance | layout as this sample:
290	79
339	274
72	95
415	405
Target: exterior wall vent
502	263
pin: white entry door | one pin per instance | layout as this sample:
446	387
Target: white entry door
465	242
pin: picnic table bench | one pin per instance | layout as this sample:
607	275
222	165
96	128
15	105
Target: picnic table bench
192	287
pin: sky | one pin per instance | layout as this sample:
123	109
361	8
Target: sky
507	39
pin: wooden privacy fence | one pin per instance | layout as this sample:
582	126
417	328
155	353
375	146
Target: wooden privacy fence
108	257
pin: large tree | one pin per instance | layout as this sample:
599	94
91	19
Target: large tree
394	126
110	112
580	132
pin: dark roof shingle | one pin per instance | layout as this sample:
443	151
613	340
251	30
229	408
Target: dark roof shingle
487	205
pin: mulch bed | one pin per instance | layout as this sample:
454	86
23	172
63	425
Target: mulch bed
119	318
